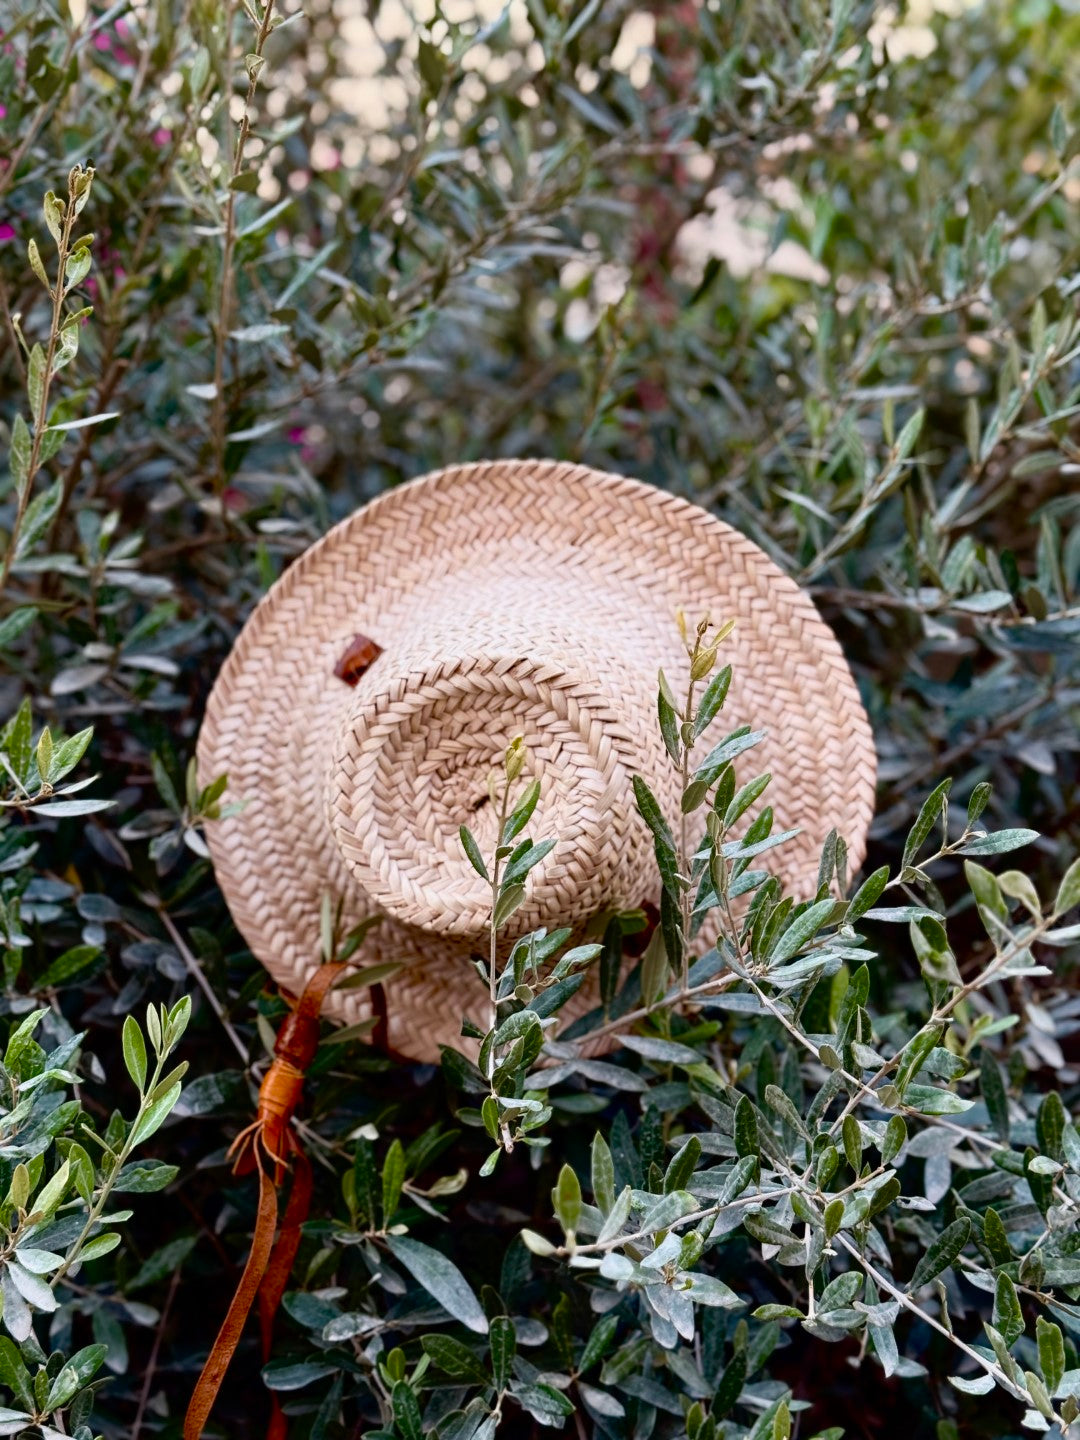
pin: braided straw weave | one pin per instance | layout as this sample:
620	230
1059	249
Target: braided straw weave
514	597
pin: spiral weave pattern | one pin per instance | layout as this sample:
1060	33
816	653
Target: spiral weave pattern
515	597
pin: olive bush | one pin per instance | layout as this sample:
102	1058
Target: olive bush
811	265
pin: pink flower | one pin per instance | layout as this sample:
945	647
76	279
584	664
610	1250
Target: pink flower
3	112
161	136
234	499
7	232
102	42
298	435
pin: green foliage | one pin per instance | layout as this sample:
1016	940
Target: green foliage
813	266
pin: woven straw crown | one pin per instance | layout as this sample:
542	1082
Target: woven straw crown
512	598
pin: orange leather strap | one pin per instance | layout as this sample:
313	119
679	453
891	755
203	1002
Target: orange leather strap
263	1147
278	1271
228	1337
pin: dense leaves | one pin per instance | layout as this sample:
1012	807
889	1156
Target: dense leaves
810	265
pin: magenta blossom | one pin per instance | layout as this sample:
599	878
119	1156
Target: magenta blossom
298	435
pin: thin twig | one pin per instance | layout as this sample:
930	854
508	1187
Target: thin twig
908	1304
195	970
151	1364
42	412
759	1197
9	325
218	414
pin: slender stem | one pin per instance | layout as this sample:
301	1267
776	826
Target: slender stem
685	895
195	970
42	412
114	367
884	1283
868	1088
691	993
218	414
9	325
107	1185
151	1364
756	1198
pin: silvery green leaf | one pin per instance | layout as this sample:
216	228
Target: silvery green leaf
1043	1165
502	1340
155	1115
705	1290
600	1402
520	867
664	1254
86	421
31	1287
35	381
17	1315
510	899
998	842
927	818
77	268
973	1385
655	1048
473	851
728	749
602	1172
39	516
742	1172
984	603
62	809
840	1293
616	1267
941	1253
1008	1316
867	894
669	720
741	850
1068	895
667	1209
257	334
19	456
901	914
785	1107
929	1100
713	699
617	1218
441	1278
544	1403
801	930
38	1262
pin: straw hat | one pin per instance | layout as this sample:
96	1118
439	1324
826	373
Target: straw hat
513	597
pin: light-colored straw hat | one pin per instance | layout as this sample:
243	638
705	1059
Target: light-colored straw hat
515	597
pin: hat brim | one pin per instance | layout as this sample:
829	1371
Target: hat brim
277	703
